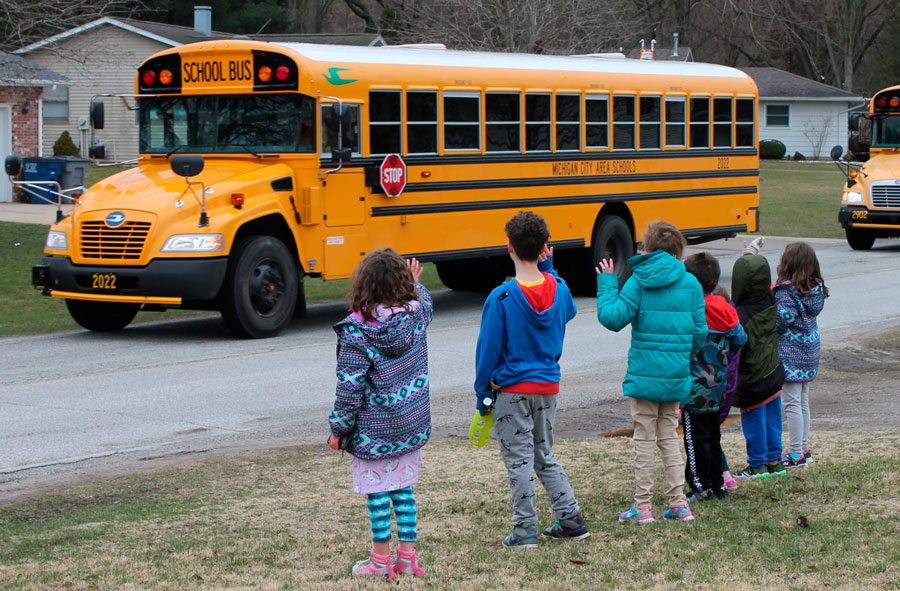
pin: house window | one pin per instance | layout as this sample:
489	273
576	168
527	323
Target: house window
650	122
596	117
743	123
700	122
462	121
778	115
502	121
56	102
421	122
384	122
675	121
537	122
623	123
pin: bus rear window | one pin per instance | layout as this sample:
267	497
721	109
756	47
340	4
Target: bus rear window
228	124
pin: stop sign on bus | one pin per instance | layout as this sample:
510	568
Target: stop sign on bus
392	175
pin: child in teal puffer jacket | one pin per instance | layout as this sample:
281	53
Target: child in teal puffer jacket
665	307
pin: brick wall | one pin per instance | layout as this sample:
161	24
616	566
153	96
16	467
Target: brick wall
25	140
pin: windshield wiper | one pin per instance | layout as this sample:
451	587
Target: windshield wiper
175	149
247	148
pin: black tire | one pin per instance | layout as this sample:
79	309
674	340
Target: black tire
260	291
613	240
102	316
859	239
479	275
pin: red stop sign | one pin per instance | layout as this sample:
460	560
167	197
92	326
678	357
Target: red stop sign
392	175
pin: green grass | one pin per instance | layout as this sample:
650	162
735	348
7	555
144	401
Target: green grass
287	519
796	199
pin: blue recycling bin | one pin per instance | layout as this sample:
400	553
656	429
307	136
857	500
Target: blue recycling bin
42	169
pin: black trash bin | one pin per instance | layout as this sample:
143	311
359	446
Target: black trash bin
42	169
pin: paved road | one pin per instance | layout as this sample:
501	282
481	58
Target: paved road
76	402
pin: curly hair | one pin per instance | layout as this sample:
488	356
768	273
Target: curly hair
528	233
800	267
382	277
664	236
705	268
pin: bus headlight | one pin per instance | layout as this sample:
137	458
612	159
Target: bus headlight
852	197
195	243
57	240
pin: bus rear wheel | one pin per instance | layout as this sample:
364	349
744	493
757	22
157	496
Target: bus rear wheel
859	240
613	240
102	316
260	291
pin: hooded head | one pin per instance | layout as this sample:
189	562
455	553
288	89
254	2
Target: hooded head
751	279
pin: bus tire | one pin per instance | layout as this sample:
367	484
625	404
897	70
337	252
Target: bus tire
859	239
613	240
260	291
102	316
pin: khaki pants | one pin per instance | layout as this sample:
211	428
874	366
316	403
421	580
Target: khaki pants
655	425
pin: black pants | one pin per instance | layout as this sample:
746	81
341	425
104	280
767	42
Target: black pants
702	444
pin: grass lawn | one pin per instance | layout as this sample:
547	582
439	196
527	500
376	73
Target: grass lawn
796	199
287	519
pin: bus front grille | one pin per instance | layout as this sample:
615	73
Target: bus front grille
886	195
99	241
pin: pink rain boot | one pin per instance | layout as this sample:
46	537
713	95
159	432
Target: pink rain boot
406	564
377	565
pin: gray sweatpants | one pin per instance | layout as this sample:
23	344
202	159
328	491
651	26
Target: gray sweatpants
523	424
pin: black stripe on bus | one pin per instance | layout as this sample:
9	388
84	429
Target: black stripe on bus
434	159
572	180
487	251
551	201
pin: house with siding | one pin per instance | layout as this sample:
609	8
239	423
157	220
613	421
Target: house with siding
22	85
102	57
808	117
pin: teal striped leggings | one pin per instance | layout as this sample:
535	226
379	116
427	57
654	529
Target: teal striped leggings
380	514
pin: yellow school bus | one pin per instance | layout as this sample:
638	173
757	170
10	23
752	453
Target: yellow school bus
264	163
870	205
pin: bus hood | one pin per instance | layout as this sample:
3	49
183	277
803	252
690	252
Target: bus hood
881	167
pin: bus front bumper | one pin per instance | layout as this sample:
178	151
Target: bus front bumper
862	218
171	282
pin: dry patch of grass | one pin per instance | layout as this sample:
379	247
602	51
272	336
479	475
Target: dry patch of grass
287	519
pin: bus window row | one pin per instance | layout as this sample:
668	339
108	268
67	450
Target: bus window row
510	122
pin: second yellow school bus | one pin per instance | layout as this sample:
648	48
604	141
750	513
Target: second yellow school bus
263	163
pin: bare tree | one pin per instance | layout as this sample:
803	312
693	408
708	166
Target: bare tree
816	131
309	16
23	22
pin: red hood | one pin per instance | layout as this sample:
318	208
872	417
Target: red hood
720	315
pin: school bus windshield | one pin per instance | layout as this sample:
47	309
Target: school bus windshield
886	132
228	124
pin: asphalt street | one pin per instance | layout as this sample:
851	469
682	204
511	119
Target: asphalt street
79	401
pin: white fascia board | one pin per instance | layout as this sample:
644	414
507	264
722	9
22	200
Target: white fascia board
93	25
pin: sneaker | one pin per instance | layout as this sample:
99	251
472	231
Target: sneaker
642	514
520	538
776	469
680	513
730	483
573	528
721	494
808	455
753	473
406	564
794	461
696	497
374	566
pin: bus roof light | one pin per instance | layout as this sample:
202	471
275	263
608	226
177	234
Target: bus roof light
149	77
881	102
166	77
265	74
282	73
895	101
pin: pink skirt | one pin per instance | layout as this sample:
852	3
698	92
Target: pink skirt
375	476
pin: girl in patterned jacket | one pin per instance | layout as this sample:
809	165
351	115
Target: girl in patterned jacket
381	414
800	293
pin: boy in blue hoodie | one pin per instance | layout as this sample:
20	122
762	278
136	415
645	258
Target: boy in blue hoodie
664	305
517	378
709	369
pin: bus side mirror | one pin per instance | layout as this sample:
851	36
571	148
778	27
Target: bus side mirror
836	152
97	118
343	156
187	165
13	165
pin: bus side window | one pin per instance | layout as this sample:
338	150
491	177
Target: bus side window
722	122
675	122
700	122
384	122
623	123
421	121
743	123
651	121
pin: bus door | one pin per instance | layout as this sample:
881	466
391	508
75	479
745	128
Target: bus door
344	196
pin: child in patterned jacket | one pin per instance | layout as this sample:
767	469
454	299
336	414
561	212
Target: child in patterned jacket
382	415
800	294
